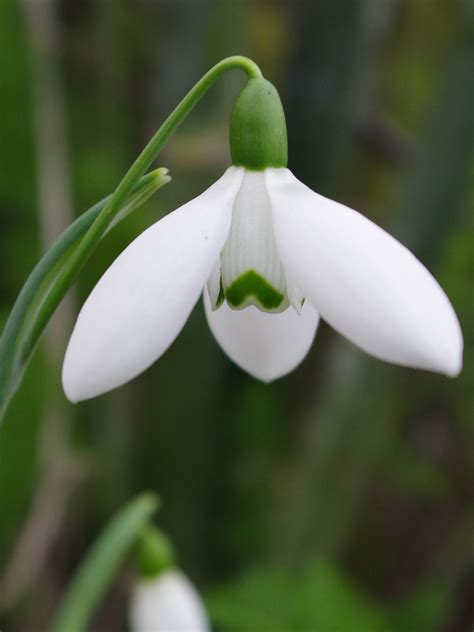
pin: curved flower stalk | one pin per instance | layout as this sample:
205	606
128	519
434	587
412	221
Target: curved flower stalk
167	603
270	257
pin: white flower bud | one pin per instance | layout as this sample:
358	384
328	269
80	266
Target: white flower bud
168	603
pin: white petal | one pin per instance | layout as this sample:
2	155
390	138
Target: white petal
167	604
265	345
141	303
366	284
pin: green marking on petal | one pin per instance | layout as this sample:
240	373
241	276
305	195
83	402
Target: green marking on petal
251	284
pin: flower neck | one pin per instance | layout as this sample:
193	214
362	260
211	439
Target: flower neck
258	128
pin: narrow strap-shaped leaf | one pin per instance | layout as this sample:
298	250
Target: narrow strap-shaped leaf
101	563
44	288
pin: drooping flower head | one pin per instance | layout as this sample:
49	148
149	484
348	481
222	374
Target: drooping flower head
163	599
168	603
270	257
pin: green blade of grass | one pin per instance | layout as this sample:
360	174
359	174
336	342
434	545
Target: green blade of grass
101	563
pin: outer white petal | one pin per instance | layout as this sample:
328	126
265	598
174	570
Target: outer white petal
265	345
141	303
167	604
366	284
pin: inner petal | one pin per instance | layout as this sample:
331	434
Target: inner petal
251	271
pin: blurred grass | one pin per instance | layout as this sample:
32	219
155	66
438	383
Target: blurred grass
349	482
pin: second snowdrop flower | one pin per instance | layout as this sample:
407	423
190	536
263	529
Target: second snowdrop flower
272	257
163	599
167	603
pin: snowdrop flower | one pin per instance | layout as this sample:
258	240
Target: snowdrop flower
271	257
168	603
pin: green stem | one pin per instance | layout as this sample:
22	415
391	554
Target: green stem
101	563
141	164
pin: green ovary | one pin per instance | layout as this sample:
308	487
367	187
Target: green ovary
251	288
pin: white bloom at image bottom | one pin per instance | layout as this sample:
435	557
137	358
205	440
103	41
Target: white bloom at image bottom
271	257
168	603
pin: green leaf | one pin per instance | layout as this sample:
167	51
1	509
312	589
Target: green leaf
101	563
258	601
427	608
319	598
19	456
47	285
328	601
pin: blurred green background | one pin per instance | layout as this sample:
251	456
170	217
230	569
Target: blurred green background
338	498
